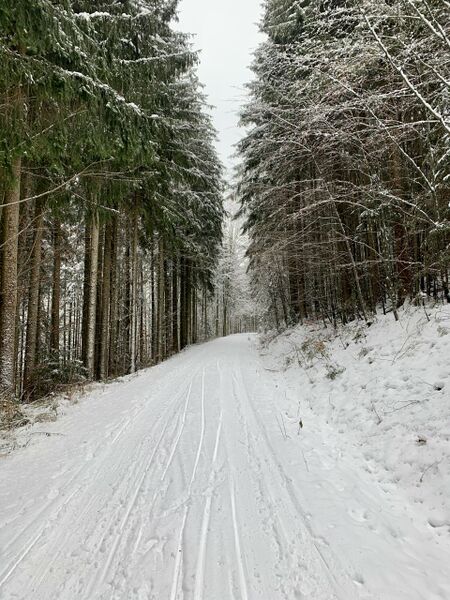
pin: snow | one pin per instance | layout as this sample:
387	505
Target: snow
193	479
385	390
93	15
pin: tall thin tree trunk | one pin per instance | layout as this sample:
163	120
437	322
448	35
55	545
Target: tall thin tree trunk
205	313
8	290
56	289
217	317
33	299
359	293
167	309
142	319
133	289
86	294
194	313
175	314
91	296
224	316
154	344
24	251
114	300
161	302
99	306
106	302
184	292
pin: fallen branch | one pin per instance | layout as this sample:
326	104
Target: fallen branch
427	469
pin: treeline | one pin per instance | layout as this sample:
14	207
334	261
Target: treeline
236	311
345	181
110	190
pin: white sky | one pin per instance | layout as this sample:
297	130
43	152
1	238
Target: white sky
226	33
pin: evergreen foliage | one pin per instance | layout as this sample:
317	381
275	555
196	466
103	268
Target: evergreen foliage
111	190
344	181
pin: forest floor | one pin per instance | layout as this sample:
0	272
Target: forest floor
194	479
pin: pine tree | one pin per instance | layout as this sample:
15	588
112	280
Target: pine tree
339	182
106	125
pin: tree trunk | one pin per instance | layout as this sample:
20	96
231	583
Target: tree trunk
8	290
56	289
86	295
106	303
359	293
161	302
91	295
184	274
113	301
224	315
133	290
153	300
33	299
99	306
167	309
24	252
175	330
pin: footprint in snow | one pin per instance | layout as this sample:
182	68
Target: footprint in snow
54	493
359	515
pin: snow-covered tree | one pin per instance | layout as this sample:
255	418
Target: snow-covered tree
344	168
234	310
107	166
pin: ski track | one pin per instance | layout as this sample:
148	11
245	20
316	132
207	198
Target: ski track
237	544
200	571
291	509
178	485
113	516
180	549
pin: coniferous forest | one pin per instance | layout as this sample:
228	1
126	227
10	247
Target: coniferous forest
305	457
112	215
345	175
111	192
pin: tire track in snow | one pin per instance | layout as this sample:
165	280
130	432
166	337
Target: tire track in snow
128	510
57	544
179	554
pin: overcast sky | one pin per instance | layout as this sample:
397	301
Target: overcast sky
226	33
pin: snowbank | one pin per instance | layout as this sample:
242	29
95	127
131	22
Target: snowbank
385	392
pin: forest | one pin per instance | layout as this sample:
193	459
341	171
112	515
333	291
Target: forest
117	250
345	168
224	376
111	193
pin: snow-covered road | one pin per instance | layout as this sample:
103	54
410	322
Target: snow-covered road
190	481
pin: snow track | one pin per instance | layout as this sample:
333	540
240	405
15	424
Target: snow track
178	484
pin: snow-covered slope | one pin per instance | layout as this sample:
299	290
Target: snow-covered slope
194	481
385	392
